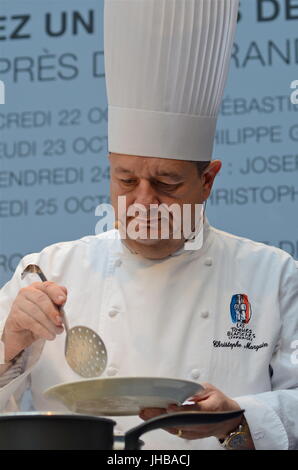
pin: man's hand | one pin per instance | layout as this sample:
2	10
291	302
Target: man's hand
34	315
209	400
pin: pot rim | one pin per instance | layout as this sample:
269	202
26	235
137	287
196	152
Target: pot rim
54	414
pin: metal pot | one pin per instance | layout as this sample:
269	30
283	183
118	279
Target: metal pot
57	431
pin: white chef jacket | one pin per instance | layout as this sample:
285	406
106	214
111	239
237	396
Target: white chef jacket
173	318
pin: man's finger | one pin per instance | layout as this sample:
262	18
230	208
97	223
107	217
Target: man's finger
58	294
34	311
41	301
36	328
202	394
148	413
182	408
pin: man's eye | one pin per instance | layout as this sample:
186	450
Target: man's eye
128	181
167	186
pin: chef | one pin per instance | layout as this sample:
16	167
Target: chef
222	312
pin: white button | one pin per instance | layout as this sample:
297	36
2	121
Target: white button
195	373
113	313
112	371
208	262
205	314
118	263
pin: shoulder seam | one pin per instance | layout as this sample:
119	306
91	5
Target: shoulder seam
242	240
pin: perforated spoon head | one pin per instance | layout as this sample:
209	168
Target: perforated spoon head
85	352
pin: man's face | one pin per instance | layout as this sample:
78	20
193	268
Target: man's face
148	181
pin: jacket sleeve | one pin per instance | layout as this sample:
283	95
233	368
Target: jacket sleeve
11	393
273	416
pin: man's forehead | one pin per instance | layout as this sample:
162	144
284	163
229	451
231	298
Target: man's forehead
157	166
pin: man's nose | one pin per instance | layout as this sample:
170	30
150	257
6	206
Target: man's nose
145	194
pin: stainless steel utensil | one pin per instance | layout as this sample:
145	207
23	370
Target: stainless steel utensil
84	351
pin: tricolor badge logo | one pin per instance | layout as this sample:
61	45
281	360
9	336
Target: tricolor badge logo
240	309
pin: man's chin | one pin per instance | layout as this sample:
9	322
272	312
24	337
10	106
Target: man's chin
146	241
155	249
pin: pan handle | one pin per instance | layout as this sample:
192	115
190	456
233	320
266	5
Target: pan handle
176	419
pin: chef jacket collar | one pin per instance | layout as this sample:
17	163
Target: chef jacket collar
124	251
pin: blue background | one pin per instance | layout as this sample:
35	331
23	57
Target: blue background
64	83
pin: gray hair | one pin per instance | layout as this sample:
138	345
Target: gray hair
201	167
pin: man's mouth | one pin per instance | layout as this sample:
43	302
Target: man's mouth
147	220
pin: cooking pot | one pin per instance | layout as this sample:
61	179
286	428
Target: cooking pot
57	431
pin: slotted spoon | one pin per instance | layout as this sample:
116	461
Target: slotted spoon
85	352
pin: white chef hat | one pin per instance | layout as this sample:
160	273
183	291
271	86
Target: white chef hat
166	64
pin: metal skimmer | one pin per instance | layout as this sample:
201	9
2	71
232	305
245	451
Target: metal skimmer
84	351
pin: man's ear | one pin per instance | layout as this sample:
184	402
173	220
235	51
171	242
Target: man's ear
209	176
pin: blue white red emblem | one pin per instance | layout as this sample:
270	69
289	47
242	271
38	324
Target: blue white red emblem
240	309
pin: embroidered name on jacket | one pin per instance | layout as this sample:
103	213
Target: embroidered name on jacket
241	313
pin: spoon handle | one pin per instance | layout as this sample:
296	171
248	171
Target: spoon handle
64	319
33	268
